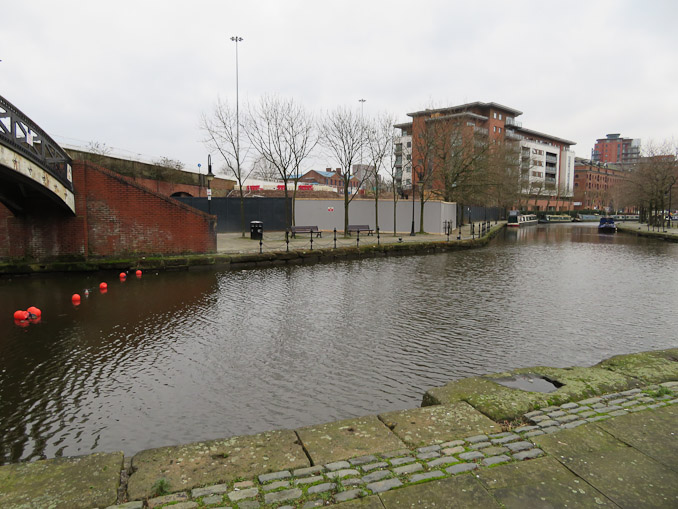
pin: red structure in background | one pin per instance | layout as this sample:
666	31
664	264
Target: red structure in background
114	217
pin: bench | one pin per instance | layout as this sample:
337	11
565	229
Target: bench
360	228
305	229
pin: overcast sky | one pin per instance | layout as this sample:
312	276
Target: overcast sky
137	76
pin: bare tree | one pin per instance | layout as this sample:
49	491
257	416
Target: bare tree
166	162
451	161
503	175
341	133
283	134
654	178
221	129
263	170
96	147
395	169
379	141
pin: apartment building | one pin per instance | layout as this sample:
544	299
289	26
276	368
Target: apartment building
600	186
615	149
546	161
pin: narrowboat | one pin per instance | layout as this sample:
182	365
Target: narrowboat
516	219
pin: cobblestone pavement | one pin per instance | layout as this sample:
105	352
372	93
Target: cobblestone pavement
427	476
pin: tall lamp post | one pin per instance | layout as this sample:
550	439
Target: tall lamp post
673	182
412	234
210	177
236	39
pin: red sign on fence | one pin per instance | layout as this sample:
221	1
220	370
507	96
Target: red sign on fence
305	187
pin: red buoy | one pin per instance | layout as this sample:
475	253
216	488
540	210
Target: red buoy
20	315
138	273
34	311
103	286
103	290
75	299
123	276
21	323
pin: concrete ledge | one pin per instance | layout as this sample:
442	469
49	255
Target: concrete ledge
648	367
250	260
502	403
68	483
341	440
193	465
436	424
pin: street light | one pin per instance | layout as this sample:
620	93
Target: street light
210	177
412	234
420	175
199	181
236	39
362	126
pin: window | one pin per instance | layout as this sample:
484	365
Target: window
500	116
495	129
500	127
495	114
409	144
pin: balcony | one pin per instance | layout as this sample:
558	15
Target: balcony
551	159
512	135
512	121
481	130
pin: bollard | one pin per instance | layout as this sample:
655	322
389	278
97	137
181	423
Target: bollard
261	245
287	240
311	241
459	234
335	238
357	240
378	236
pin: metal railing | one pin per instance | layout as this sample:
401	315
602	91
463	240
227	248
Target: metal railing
25	137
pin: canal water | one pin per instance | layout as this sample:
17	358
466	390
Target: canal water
179	357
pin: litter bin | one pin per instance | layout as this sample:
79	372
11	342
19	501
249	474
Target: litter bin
256	230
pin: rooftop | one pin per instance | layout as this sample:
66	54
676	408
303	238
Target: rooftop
467	106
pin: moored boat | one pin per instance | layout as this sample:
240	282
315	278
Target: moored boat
516	219
607	225
556	218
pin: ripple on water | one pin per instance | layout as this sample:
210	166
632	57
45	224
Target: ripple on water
181	357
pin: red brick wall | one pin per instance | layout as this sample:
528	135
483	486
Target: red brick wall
114	217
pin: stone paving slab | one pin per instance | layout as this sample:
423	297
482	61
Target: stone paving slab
373	502
656	434
552	494
216	461
342	440
543	482
69	483
627	477
439	423
516	474
503	403
649	367
463	491
581	440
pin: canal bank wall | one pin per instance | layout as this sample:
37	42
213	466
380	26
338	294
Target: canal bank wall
252	260
643	230
619	414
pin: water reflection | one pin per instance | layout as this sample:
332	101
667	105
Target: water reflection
178	357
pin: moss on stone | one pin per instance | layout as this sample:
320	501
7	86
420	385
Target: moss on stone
69	483
648	367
